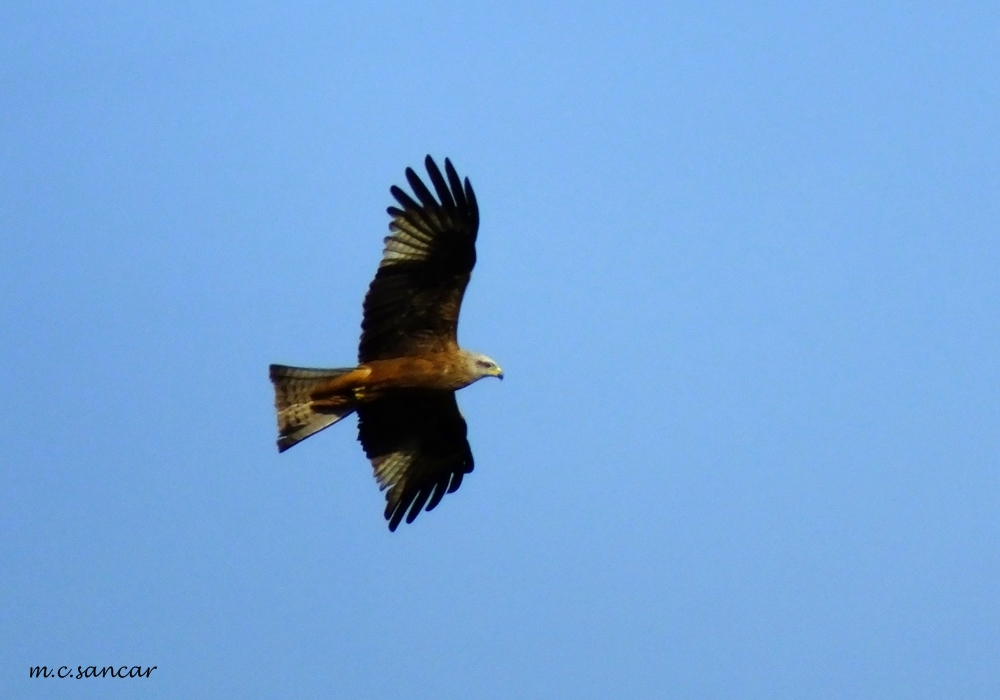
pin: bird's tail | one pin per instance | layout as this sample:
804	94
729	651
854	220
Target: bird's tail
300	412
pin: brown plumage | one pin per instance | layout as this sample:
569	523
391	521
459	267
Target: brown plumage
410	364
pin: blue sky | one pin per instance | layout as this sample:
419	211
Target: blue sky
738	262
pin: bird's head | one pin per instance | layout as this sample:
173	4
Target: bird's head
481	366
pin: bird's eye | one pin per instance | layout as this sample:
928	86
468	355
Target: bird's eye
484	364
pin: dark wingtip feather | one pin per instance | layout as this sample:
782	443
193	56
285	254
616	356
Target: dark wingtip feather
405	200
444	194
418	504
394	515
456	184
420	189
470	197
440	489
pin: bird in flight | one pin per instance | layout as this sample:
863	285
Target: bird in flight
409	362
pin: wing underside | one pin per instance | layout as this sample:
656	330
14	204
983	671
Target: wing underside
416	441
412	305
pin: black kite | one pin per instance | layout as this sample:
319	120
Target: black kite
410	365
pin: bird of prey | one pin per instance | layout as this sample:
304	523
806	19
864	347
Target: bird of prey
409	362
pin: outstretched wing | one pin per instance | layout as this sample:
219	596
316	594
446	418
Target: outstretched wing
416	442
412	304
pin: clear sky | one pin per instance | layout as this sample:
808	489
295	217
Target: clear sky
739	262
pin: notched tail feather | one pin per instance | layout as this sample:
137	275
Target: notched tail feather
300	413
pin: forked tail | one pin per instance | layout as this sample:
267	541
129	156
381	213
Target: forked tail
300	412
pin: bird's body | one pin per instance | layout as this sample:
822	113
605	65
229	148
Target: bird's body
443	370
410	363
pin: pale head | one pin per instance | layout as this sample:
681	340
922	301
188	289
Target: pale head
479	366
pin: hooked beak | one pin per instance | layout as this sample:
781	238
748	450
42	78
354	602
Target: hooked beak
498	374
